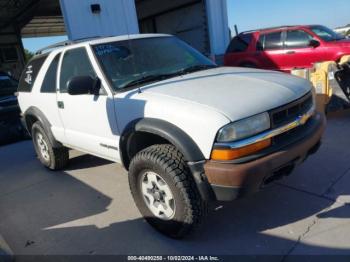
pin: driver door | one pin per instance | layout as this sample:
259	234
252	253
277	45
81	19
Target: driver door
89	120
298	51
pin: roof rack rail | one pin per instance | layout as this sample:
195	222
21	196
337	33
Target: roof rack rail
269	28
64	43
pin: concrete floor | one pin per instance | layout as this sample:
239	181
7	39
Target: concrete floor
88	209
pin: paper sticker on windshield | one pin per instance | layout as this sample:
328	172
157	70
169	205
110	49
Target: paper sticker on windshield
29	73
4	78
106	49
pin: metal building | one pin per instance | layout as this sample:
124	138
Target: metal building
201	23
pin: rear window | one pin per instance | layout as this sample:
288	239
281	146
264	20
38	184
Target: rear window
270	41
239	43
30	73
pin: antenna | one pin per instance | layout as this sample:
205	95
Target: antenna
236	29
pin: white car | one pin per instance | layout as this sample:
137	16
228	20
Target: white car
187	130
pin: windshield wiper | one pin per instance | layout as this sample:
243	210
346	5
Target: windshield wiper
146	79
195	68
158	77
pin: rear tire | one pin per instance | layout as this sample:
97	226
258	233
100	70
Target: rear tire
52	158
164	190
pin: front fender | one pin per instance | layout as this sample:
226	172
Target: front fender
166	130
183	142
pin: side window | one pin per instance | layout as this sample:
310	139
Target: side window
239	43
30	73
75	63
297	39
270	41
49	83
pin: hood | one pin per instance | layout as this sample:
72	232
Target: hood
343	43
345	40
235	92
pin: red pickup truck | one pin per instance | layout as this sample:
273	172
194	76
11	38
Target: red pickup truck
286	48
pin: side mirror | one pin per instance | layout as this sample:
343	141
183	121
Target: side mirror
83	85
314	43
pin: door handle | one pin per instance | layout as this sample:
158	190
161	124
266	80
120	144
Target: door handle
60	104
290	52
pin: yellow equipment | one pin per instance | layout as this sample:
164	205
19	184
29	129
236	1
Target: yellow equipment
344	60
322	76
323	79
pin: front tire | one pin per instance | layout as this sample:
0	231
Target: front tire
164	190
52	158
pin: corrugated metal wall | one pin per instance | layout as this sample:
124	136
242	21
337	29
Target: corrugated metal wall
117	17
219	33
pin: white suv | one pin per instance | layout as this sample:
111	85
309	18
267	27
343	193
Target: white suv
187	130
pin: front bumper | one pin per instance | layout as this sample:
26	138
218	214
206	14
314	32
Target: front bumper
231	180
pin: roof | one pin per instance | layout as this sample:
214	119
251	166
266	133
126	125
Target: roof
101	40
275	28
98	40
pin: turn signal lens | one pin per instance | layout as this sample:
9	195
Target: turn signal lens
230	154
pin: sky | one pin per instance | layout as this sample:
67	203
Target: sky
253	14
35	43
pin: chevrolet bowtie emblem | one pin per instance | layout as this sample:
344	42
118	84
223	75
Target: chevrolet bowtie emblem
303	119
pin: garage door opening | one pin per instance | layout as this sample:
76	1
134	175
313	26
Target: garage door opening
184	18
25	18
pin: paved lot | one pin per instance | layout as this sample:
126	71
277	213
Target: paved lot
88	209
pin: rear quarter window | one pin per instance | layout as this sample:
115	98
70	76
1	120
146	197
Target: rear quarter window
239	43
30	73
49	83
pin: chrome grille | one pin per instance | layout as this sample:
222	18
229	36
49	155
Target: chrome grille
285	114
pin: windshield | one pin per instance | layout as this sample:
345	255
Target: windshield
137	61
8	86
325	33
7	82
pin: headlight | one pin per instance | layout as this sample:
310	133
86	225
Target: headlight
244	128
